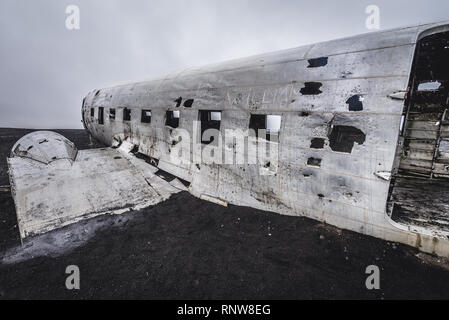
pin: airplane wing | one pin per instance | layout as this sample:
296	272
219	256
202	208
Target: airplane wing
54	184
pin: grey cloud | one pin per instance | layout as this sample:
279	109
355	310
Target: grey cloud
47	69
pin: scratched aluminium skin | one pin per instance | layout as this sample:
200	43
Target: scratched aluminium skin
345	189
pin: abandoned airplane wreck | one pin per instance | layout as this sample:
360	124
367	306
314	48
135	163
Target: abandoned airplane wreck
351	132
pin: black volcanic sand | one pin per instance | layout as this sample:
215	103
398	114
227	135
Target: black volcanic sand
191	249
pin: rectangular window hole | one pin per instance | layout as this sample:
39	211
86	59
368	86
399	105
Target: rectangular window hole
172	118
146	116
265	126
101	115
210	126
126	114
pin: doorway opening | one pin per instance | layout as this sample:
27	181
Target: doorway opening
419	190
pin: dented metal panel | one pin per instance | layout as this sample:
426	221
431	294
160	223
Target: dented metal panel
45	147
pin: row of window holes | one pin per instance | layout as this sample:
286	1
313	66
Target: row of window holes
270	123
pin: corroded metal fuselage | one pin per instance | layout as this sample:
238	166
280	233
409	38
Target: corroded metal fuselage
341	106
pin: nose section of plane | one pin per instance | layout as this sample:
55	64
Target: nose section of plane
83	118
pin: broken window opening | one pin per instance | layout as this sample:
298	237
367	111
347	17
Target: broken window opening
317	143
311	88
317	62
111	114
314	162
172	119
126	114
209	120
178	102
92	112
101	115
355	103
418	189
188	103
342	138
265	126
425	121
146	116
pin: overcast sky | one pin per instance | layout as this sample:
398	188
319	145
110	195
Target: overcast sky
46	69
